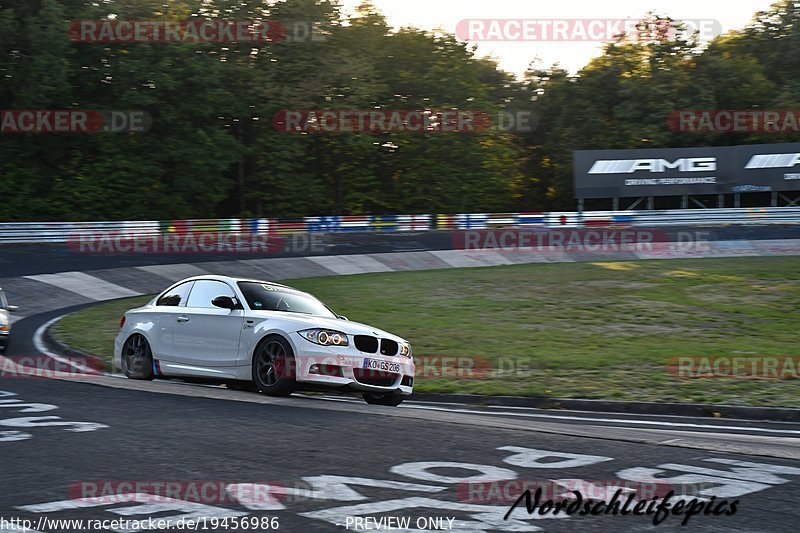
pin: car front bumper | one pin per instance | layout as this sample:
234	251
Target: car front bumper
344	367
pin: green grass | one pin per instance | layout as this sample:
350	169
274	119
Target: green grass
92	330
583	330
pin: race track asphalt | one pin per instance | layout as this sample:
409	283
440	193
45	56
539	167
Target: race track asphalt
326	462
412	462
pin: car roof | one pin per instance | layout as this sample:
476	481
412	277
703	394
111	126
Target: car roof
234	281
231	279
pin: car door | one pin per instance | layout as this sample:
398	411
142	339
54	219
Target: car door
204	334
163	316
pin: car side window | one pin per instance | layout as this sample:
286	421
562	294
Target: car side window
204	291
177	296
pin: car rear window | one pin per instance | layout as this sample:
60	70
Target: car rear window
177	296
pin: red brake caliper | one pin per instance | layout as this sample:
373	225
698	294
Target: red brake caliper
279	365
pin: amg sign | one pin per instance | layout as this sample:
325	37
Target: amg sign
686	171
773	161
629	166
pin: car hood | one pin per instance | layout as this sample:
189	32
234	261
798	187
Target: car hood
302	322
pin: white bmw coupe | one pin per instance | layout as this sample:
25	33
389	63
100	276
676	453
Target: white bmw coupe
259	335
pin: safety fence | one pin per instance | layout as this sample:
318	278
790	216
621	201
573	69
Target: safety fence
55	232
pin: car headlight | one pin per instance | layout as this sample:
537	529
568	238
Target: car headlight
325	337
405	350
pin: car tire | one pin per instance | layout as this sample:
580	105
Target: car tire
392	400
274	368
137	358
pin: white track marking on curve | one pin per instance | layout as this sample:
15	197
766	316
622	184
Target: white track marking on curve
41	347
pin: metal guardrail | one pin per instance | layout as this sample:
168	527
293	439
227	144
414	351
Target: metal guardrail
62	232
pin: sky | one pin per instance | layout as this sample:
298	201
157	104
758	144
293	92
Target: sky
514	56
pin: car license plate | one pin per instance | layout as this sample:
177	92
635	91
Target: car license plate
377	364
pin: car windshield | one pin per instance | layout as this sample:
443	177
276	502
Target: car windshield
267	297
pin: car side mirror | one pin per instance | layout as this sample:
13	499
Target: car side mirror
225	302
12	308
342	317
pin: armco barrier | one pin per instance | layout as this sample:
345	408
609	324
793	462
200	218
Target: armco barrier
56	232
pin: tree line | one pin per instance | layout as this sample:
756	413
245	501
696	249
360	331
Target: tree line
212	148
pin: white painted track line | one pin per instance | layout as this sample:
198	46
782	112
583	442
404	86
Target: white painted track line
609	420
41	347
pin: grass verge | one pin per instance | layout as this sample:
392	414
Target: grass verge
570	330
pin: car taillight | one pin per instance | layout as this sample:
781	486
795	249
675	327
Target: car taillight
121	321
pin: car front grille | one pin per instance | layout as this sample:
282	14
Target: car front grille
388	347
376	378
366	343
369	344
